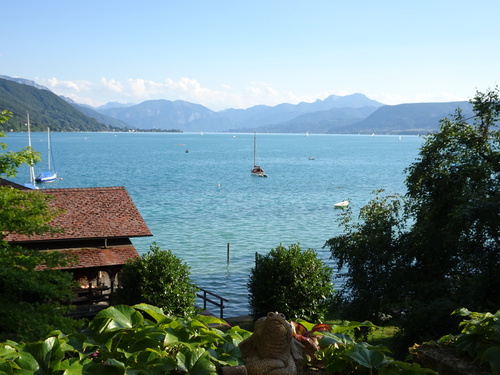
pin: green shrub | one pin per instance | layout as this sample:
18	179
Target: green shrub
479	337
33	302
158	278
139	340
291	281
335	349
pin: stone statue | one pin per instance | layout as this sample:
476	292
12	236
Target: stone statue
272	350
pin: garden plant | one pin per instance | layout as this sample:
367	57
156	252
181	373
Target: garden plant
158	278
291	281
479	338
143	340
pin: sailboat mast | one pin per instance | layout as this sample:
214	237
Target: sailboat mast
29	137
48	147
254	147
32	169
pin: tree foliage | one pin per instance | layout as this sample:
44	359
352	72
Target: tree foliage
368	249
22	211
32	292
438	248
26	212
33	295
158	278
291	281
10	161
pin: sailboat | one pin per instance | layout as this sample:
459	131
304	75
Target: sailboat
49	175
31	184
257	170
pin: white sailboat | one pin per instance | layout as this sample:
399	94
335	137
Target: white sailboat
49	175
31	184
256	170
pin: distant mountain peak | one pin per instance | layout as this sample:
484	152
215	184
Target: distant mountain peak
114	105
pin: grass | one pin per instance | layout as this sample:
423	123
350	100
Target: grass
382	335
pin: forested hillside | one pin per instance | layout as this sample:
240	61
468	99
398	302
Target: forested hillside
46	110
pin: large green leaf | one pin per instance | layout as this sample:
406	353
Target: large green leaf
335	338
492	356
8	351
118	317
206	320
352	326
161	366
6	368
73	366
470	343
155	312
26	361
366	357
195	362
47	353
110	367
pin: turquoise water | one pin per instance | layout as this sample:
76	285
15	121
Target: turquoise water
196	203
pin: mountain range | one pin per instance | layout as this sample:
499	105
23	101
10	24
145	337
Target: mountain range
46	109
336	114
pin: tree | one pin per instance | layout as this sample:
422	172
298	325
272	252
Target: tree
454	200
444	252
368	249
290	281
24	212
11	161
158	278
32	292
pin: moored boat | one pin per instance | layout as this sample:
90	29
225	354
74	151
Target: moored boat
341	204
31	184
256	170
49	175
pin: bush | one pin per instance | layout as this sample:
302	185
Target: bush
158	278
479	337
33	302
291	281
130	340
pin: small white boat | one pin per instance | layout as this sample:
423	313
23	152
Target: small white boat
312	158
341	204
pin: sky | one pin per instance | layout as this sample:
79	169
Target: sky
238	54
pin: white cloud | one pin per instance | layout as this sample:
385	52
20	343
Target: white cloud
112	84
77	86
137	90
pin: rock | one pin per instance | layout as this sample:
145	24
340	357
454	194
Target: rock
233	370
445	361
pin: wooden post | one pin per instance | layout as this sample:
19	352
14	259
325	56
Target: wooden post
228	251
90	295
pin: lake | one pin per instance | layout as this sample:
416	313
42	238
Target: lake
196	203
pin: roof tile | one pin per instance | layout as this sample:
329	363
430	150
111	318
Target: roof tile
102	212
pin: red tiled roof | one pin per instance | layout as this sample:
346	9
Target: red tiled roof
94	257
91	213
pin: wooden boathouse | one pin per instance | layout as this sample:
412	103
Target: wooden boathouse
97	224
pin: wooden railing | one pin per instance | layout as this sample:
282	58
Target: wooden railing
205	298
